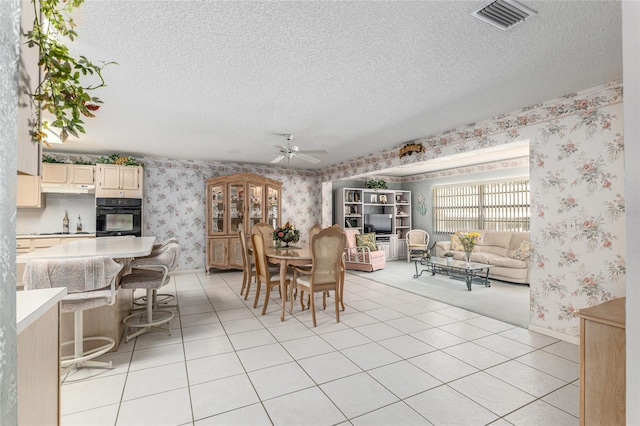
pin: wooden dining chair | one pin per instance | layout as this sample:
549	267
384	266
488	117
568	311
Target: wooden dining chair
248	267
326	271
263	273
267	232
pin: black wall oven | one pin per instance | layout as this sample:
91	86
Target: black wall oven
118	216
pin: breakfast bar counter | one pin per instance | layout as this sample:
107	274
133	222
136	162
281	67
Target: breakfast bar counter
37	325
105	320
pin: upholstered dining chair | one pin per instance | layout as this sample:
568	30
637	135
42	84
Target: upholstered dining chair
151	276
327	249
417	241
263	272
160	299
90	283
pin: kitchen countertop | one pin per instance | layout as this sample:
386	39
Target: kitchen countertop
53	235
31	304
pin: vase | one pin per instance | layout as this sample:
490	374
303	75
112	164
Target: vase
449	260
467	256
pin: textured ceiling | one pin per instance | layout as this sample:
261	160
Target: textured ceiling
223	80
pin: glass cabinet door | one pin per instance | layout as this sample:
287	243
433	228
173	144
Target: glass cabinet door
236	206
273	206
256	201
216	221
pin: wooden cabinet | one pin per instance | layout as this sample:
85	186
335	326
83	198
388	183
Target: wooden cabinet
73	174
602	364
29	192
38	369
233	200
113	181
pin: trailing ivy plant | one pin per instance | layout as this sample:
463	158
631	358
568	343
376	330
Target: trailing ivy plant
61	92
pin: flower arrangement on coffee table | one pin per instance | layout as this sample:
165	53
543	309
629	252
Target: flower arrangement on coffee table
286	234
468	241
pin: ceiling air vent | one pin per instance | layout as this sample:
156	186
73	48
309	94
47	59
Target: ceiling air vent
504	14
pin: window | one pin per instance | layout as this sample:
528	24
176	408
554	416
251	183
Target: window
495	206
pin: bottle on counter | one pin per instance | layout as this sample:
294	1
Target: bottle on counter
79	224
65	223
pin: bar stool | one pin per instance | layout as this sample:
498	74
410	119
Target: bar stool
160	299
151	276
90	283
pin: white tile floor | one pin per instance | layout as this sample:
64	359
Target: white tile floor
394	359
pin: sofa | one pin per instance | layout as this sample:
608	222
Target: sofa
362	258
508	252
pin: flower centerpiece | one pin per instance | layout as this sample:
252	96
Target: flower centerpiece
468	240
286	234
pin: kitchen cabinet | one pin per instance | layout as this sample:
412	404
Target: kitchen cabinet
29	192
113	181
73	174
602	363
243	199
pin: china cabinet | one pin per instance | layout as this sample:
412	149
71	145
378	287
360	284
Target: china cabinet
232	200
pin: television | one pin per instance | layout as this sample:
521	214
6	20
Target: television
378	223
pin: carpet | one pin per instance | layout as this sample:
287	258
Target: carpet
502	301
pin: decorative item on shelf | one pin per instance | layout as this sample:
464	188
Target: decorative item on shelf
383	199
422	206
286	234
356	197
468	240
119	160
376	184
373	198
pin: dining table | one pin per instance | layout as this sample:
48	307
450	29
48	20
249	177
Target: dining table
105	320
285	257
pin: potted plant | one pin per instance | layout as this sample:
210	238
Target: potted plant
60	92
449	257
376	184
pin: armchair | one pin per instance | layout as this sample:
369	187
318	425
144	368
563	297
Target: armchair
362	258
417	240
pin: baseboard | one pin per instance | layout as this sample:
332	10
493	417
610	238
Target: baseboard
555	334
187	271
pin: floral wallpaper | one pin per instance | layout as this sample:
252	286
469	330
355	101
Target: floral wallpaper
577	191
577	183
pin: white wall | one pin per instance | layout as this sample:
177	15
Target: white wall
49	219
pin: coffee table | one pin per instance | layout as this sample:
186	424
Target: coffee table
468	271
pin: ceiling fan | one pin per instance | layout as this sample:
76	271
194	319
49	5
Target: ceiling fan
292	151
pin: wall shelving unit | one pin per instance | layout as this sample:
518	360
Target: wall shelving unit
351	205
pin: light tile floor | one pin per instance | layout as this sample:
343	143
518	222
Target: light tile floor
394	359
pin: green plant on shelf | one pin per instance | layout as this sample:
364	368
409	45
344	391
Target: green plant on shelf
376	184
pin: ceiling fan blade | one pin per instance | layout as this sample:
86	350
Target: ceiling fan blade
278	158
282	148
307	158
313	151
